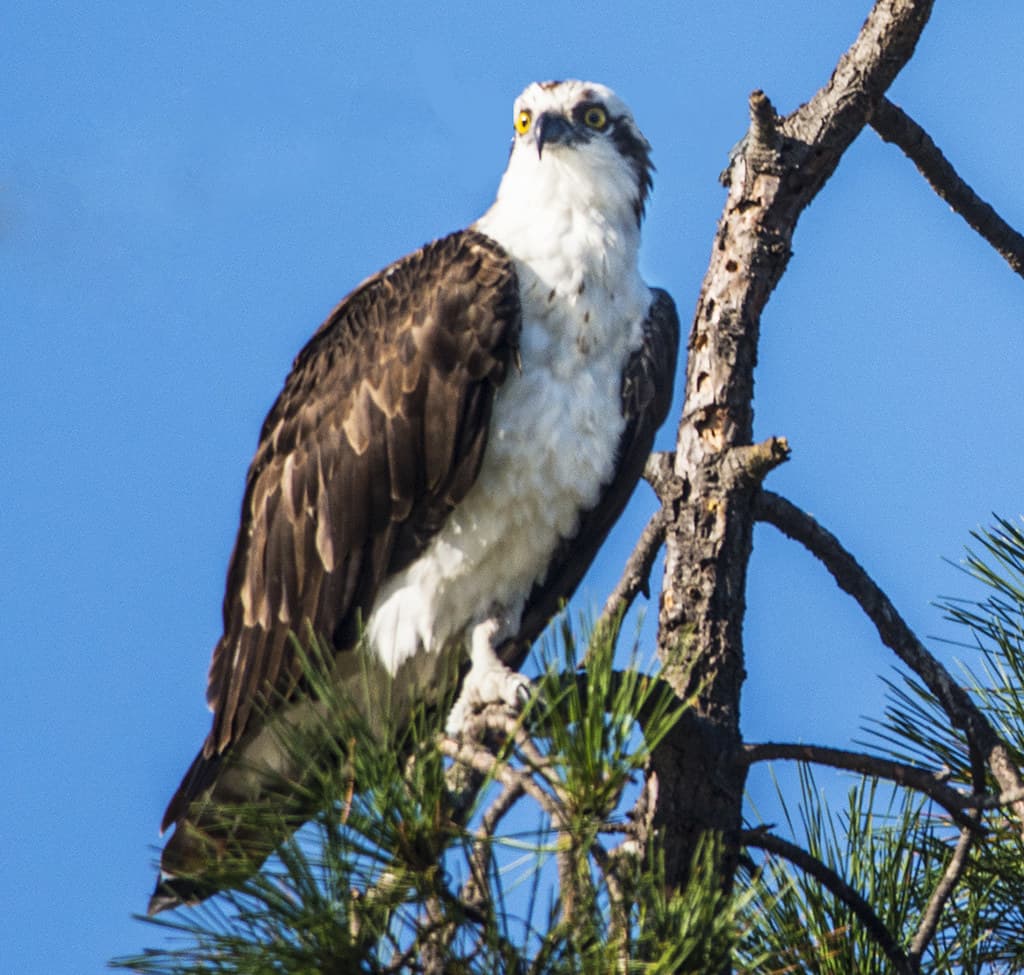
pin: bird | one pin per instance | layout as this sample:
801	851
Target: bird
448	453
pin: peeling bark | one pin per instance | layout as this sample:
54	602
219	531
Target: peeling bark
771	178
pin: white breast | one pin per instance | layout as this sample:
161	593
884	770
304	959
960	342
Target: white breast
556	422
552	446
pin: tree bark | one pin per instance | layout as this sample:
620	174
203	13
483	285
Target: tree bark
772	176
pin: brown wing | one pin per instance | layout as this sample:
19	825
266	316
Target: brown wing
379	431
647	384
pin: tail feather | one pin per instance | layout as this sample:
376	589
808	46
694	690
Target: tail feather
171	892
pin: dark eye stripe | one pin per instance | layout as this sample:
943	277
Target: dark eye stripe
635	149
579	113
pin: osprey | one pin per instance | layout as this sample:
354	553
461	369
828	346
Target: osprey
447	455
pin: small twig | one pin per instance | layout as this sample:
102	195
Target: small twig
897	635
828	878
636	575
659	472
620	903
894	125
943	891
930	783
475	887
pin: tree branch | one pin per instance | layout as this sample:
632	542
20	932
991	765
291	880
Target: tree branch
930	784
943	891
828	878
896	635
636	574
895	126
773	176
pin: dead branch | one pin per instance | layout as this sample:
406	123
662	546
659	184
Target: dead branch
772	177
896	635
763	840
636	574
895	126
931	784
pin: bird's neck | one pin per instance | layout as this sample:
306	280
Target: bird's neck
575	247
559	204
569	232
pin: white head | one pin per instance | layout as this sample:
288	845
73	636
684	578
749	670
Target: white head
576	145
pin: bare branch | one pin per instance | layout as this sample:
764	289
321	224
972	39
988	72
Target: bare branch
931	784
895	126
834	117
943	891
828	878
772	177
636	575
896	635
475	889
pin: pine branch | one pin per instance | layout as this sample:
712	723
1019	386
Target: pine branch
895	126
761	839
897	635
931	784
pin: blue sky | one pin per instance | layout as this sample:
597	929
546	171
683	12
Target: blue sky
185	192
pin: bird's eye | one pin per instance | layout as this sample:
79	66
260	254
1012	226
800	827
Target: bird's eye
595	117
523	120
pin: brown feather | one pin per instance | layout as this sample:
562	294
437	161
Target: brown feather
379	429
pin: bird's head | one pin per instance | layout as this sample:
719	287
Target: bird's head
577	140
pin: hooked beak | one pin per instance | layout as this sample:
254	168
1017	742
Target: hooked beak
552	128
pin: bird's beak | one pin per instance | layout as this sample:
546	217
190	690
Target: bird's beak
552	128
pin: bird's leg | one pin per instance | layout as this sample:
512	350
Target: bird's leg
489	681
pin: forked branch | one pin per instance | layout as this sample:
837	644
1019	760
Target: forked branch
897	635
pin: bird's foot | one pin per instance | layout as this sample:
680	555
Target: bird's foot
496	684
489	681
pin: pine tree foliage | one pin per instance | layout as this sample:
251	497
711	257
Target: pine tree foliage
407	864
891	844
527	847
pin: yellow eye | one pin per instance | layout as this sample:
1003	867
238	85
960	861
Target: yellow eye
595	117
523	120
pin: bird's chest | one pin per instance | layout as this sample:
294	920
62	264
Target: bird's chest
554	434
555	429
